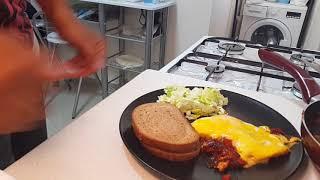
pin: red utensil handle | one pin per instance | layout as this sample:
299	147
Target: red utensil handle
309	87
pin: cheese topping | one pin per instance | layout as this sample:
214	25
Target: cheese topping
254	144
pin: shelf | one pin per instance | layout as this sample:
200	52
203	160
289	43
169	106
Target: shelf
134	38
113	87
121	36
112	63
115	84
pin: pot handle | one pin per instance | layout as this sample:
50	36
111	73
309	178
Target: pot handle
308	85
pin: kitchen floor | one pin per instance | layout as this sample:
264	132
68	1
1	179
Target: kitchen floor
60	101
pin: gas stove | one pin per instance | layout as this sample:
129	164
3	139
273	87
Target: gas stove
236	63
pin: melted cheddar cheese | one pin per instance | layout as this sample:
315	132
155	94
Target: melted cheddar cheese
254	144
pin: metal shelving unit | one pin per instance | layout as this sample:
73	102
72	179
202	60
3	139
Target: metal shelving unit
112	63
121	36
146	40
150	10
134	38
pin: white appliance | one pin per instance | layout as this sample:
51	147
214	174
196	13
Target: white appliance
312	39
299	2
242	67
272	23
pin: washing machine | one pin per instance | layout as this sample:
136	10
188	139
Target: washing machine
272	23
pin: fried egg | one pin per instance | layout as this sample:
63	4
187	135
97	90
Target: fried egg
254	144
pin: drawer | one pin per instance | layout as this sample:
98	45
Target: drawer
255	11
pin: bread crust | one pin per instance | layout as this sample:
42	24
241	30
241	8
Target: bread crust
171	156
191	144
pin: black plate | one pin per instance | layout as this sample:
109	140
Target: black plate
240	106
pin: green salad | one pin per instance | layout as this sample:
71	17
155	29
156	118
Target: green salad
195	103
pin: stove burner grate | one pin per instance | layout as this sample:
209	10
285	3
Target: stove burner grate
296	90
215	71
231	48
300	59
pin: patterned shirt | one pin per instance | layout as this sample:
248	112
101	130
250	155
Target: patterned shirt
13	16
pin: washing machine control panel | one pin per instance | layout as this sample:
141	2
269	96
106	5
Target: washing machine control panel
272	12
293	15
281	14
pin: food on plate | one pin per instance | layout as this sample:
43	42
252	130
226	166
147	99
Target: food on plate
172	156
164	131
195	103
222	154
232	143
226	177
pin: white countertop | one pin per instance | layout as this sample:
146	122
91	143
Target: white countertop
91	147
135	5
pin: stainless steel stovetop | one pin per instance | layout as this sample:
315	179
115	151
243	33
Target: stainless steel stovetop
242	69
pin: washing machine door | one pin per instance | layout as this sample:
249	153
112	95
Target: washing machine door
269	31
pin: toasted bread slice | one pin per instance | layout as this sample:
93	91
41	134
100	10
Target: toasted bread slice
163	126
171	156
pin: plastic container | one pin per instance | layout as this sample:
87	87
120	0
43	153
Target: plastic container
284	1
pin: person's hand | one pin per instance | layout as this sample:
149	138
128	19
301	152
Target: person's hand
91	53
90	59
90	45
82	65
23	75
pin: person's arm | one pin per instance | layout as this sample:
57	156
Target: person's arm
90	45
23	74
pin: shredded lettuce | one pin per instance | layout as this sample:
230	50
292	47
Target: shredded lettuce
195	103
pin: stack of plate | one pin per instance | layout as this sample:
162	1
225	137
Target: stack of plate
129	61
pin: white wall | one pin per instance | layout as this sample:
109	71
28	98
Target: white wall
312	40
188	21
221	18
